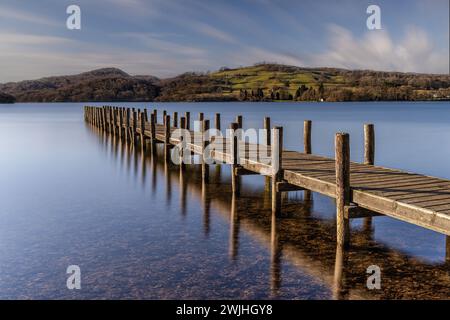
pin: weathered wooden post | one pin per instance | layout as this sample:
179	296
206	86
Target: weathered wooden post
267	146
369	159
134	127
145	115
307	149
277	172
199	123
114	122
175	119
167	137
164	117
182	144
342	187
120	123
127	124
104	121
239	121
234	152
142	125
217	122
307	136
188	120
109	119
205	143
155	112
267	130
153	129
369	144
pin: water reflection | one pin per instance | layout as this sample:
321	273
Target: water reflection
298	239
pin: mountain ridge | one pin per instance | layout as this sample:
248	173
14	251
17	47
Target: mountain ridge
260	82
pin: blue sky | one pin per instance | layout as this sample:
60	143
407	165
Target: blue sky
168	37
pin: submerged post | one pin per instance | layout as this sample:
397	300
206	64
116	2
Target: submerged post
342	143
277	173
307	136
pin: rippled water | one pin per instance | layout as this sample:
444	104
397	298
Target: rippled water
71	195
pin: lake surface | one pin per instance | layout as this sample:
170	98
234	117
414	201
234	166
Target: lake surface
71	195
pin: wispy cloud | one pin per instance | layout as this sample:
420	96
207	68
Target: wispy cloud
213	32
7	13
376	50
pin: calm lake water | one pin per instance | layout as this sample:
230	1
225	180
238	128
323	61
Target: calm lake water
71	195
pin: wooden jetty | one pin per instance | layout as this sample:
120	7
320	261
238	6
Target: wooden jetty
361	190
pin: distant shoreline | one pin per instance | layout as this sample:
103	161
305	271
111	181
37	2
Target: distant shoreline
258	83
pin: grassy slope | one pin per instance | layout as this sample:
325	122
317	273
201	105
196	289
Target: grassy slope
252	78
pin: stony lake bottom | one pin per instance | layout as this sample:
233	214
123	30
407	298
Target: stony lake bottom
72	195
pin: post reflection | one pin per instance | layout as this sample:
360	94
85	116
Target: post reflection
234	229
206	208
300	239
275	258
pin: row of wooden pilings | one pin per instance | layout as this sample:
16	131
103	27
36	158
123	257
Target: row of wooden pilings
124	122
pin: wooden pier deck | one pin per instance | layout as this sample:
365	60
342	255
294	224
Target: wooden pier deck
361	190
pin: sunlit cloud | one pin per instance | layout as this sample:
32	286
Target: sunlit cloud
376	50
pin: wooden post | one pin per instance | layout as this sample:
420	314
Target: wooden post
109	117
369	159
369	144
164	117
145	115
277	173
127	124
133	129
307	136
183	144
155	112
175	119
239	121
217	122
188	120
120	123
142	122
267	129
114	122
205	143
267	144
153	128
234	151
201	117
342	187
167	137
